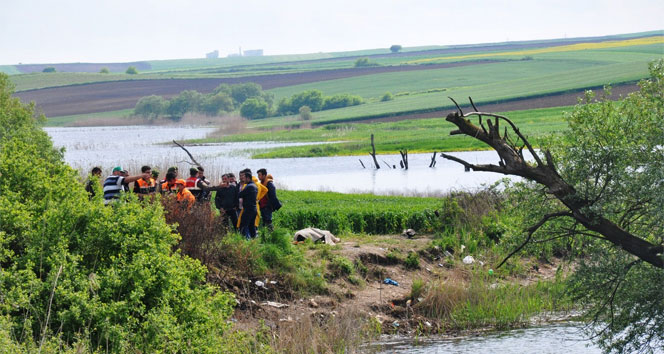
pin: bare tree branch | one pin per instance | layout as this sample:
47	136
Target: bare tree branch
188	153
532	230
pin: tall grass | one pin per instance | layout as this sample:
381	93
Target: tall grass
483	302
344	332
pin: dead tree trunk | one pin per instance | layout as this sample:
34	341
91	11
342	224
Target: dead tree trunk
433	160
512	162
362	163
373	152
404	158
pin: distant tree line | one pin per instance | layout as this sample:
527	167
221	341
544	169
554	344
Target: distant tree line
249	99
225	98
315	100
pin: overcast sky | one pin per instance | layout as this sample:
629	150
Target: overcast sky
41	31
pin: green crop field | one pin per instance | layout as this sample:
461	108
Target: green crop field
356	213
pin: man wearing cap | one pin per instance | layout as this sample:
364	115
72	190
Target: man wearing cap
115	183
184	195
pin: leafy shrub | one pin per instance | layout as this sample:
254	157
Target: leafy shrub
77	271
48	69
131	70
340	101
305	113
417	288
254	108
341	266
150	106
364	62
387	96
412	260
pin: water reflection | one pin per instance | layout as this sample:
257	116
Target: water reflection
132	147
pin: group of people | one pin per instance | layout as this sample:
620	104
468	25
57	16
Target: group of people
242	204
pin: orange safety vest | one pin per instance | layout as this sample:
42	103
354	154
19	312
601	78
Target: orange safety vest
146	187
185	195
170	188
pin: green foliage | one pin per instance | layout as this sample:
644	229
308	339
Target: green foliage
186	101
48	69
479	304
412	260
395	48
340	101
242	92
212	105
341	266
131	70
315	100
254	108
364	62
612	156
150	106
387	96
305	113
356	213
104	70
417	288
87	275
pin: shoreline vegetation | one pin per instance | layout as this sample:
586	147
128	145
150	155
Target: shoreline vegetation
148	276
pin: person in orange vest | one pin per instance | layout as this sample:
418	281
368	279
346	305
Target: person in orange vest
196	183
184	195
169	185
145	186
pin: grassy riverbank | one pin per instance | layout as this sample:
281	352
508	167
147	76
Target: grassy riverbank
334	298
418	135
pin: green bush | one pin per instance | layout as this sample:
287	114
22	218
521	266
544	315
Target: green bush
254	108
77	272
412	260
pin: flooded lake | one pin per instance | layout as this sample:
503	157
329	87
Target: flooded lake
134	146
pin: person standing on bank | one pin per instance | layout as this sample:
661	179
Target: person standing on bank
226	200
269	203
116	182
94	177
247	217
143	186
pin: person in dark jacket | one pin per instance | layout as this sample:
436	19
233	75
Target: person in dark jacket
226	200
93	179
269	203
247	218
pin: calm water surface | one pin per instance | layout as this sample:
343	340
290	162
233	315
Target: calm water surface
559	338
134	146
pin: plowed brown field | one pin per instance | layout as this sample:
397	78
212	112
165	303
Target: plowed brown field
117	95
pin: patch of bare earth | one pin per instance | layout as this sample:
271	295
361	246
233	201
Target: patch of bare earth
386	303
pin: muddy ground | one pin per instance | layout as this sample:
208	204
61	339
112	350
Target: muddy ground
388	304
